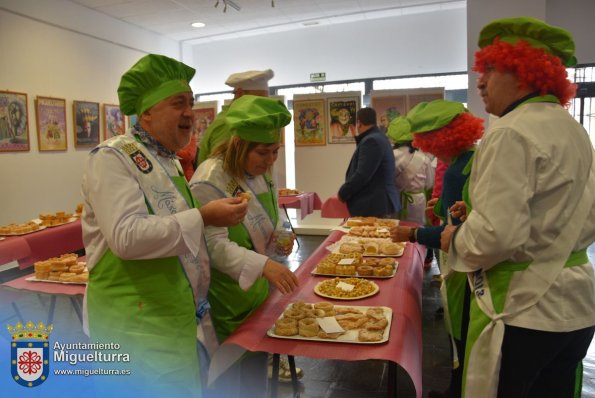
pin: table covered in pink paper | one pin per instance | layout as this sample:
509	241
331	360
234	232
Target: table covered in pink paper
402	294
334	208
41	245
45	287
307	202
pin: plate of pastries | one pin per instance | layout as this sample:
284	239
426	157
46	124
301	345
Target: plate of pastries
346	288
371	222
56	219
64	269
20	229
289	192
354	264
373	247
350	324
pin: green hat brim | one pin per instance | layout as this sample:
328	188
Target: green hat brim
554	40
399	130
434	115
257	119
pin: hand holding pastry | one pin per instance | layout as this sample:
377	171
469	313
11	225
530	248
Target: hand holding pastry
224	212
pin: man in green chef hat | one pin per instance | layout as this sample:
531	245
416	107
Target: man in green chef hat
523	244
143	234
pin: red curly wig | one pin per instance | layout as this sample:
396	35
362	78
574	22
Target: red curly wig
535	68
452	140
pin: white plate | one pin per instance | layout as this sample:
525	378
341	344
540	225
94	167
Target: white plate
318	292
396	265
350	336
34	279
334	247
41	228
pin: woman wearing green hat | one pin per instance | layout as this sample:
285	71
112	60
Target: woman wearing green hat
448	131
523	246
243	164
414	173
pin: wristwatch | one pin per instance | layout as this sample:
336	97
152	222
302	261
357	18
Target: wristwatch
413	235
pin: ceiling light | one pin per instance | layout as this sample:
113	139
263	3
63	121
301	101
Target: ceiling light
198	25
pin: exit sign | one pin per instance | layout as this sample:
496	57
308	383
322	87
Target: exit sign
318	77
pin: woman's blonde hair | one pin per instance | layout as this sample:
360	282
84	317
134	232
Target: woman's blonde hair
234	153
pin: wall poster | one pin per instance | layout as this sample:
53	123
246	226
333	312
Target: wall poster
309	122
51	123
113	121
14	122
341	115
86	123
204	114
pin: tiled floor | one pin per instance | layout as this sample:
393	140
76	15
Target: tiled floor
368	379
323	378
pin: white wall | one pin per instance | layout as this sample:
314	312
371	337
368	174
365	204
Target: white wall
404	45
40	59
395	46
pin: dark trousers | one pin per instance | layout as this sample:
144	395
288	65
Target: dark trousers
537	364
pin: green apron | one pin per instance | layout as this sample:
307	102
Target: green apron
498	279
230	304
147	306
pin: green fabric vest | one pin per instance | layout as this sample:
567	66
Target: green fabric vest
147	306
230	304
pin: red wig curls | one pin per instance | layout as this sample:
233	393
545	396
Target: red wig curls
535	68
452	140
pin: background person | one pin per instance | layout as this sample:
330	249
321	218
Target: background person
148	265
414	172
243	164
532	198
369	188
252	82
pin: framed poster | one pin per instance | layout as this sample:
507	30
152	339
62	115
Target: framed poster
387	108
113	121
14	122
132	119
204	114
341	116
309	122
86	123
51	123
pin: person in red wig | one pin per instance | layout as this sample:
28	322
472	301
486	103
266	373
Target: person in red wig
448	131
530	217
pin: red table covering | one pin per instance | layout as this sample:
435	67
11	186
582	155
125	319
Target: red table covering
402	293
334	208
307	202
41	245
45	287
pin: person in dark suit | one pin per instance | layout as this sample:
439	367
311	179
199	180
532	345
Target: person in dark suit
369	188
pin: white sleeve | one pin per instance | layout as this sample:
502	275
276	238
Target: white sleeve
500	189
122	216
239	263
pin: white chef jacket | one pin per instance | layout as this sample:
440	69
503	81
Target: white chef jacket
524	187
414	172
115	214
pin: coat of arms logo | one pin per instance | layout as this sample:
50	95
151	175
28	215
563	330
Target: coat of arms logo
29	353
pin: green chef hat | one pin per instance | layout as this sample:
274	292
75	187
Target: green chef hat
399	130
430	116
151	80
257	119
538	34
